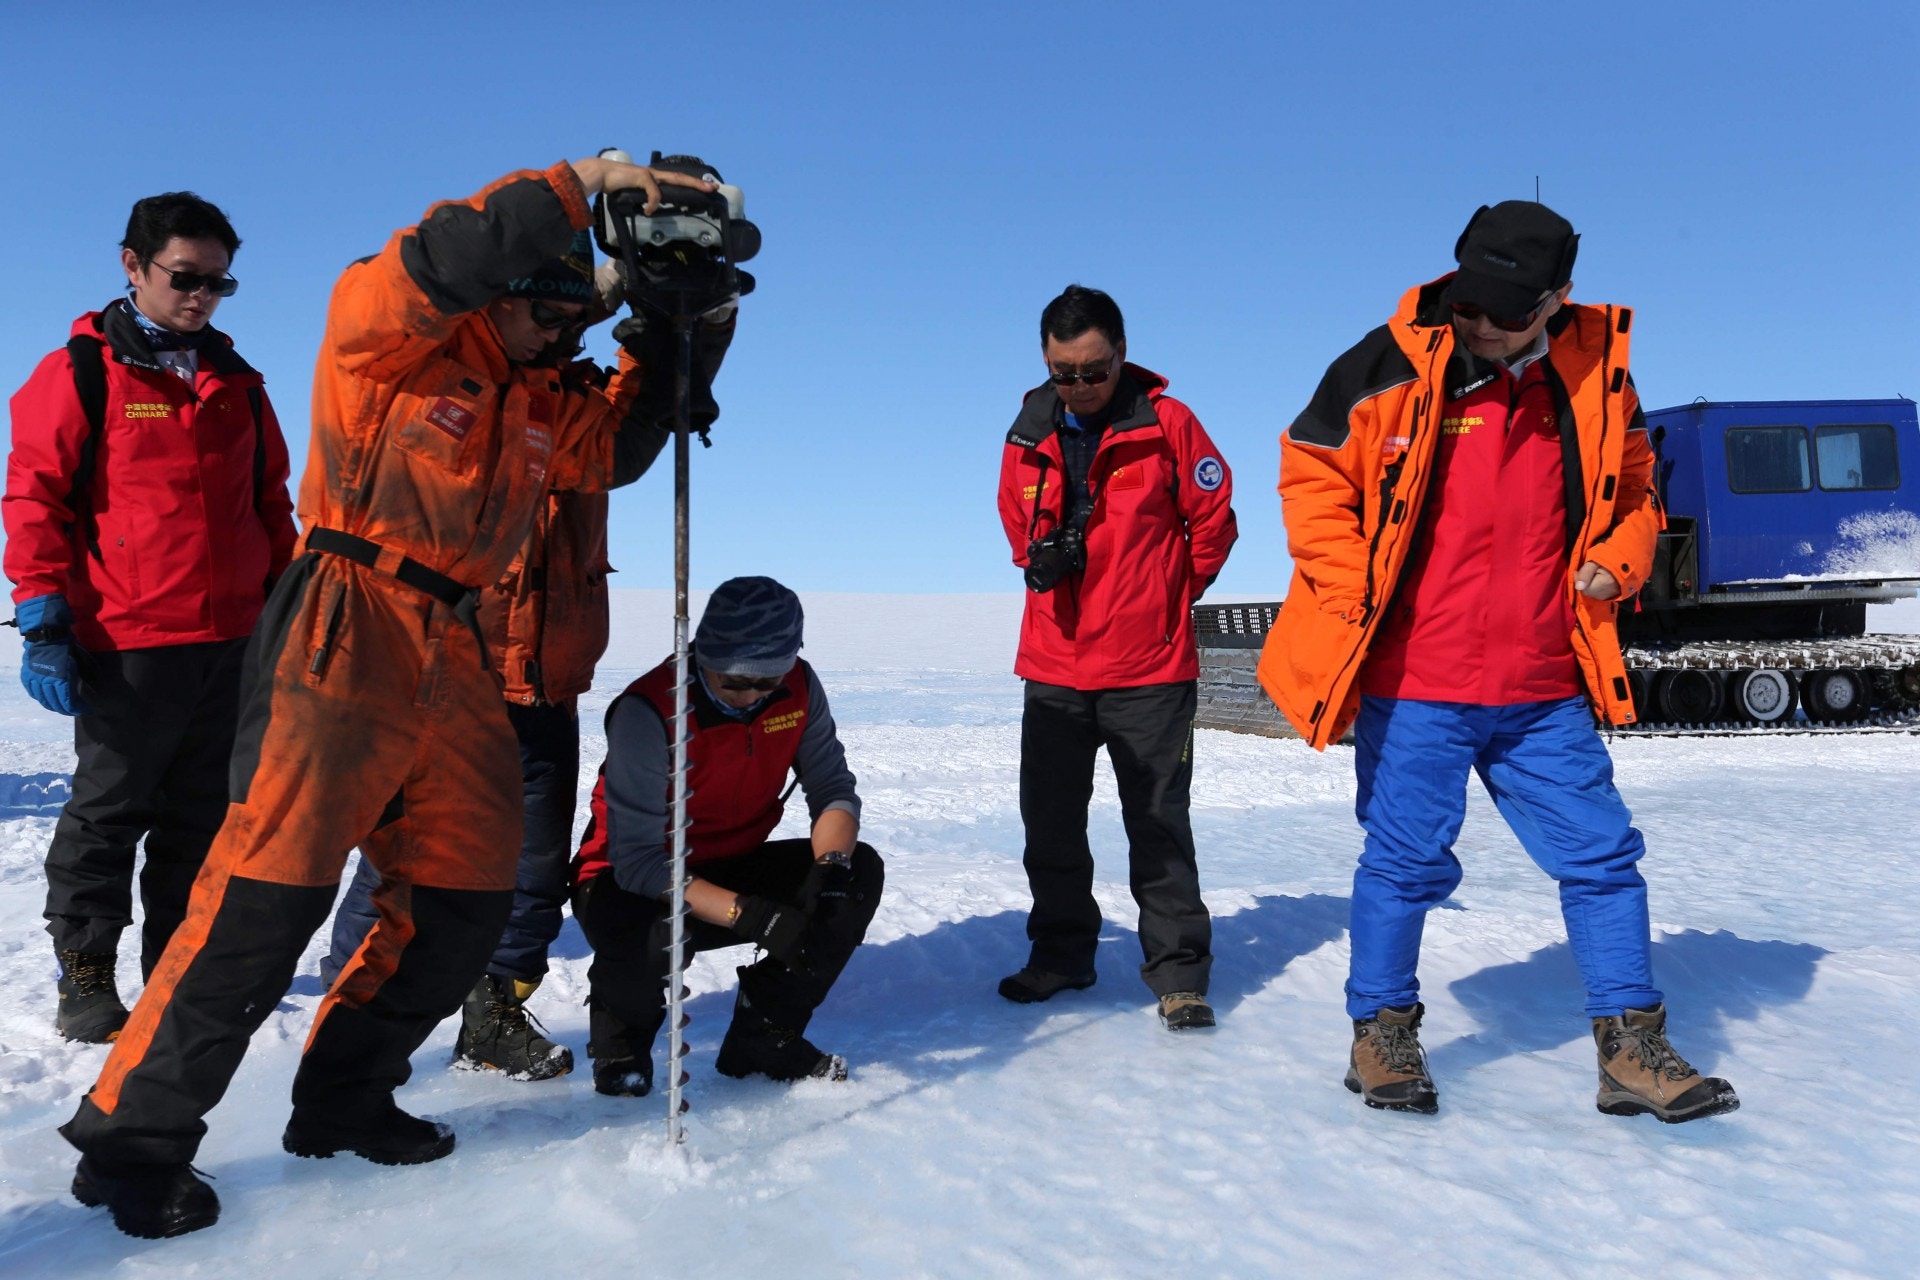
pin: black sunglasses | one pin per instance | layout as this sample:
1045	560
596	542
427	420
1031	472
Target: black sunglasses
1093	379
1467	311
220	286
751	684
545	317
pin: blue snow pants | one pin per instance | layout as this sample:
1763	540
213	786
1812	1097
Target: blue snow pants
549	737
1551	778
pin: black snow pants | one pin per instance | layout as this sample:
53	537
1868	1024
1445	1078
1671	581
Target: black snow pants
631	939
153	748
549	736
1148	734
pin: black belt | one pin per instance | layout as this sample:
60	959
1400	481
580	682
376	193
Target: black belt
464	601
410	571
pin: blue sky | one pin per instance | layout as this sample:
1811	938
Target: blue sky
1255	184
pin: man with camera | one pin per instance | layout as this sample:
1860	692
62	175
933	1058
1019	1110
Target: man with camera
757	714
1468	497
1119	508
147	515
370	715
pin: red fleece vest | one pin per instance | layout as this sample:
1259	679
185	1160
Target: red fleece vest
736	772
1482	615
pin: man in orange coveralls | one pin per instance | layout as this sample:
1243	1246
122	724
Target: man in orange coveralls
369	715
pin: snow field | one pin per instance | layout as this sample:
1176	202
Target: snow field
1077	1138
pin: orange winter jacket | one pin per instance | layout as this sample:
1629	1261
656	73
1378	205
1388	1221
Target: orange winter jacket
425	438
546	620
1354	473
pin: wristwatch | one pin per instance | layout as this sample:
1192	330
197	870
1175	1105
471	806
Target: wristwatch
842	858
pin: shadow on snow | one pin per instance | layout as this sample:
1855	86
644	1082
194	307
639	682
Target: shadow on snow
1709	979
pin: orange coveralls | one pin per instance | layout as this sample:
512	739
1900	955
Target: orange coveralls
370	715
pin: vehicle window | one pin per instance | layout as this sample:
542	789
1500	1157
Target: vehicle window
1768	460
1857	457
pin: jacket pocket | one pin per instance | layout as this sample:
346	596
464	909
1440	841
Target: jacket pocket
440	413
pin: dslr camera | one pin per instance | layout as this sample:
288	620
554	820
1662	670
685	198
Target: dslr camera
1060	554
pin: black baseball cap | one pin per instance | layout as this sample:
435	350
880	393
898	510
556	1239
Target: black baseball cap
1510	254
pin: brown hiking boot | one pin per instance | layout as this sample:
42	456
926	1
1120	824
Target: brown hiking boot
1640	1072
1185	1011
1388	1068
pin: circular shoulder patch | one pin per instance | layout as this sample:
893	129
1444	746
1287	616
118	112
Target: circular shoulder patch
1209	474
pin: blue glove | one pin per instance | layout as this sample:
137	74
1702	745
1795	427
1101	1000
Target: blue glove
47	669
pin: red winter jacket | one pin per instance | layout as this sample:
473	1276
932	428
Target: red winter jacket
734	787
185	546
1159	532
1482	615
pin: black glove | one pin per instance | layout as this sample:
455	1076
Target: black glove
827	881
777	928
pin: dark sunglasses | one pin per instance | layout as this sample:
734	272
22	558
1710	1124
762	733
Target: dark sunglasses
1093	379
545	317
221	286
1467	311
751	684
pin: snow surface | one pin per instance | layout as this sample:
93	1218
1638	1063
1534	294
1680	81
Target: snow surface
1078	1138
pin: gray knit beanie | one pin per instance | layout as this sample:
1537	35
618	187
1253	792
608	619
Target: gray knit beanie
751	627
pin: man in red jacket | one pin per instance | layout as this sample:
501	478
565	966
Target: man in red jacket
1119	509
757	713
146	515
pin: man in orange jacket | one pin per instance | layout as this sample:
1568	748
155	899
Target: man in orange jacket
369	714
546	624
1468	498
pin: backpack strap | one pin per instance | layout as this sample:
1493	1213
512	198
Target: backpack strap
255	399
87	356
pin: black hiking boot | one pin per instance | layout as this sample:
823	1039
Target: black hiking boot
1388	1068
392	1138
623	1077
90	1009
755	1046
498	1034
1185	1011
151	1201
1031	986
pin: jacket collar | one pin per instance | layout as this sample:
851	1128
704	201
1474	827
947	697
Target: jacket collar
116	327
1130	409
1423	324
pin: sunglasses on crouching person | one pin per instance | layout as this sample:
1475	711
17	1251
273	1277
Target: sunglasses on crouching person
751	684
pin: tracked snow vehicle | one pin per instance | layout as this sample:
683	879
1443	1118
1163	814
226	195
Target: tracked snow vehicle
1785	520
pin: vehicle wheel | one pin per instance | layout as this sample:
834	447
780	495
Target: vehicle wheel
1906	685
1640	688
1690	697
1834	695
1763	696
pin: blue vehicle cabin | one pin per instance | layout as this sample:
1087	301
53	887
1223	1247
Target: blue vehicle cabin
1785	518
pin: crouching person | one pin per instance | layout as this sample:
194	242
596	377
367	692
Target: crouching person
757	712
